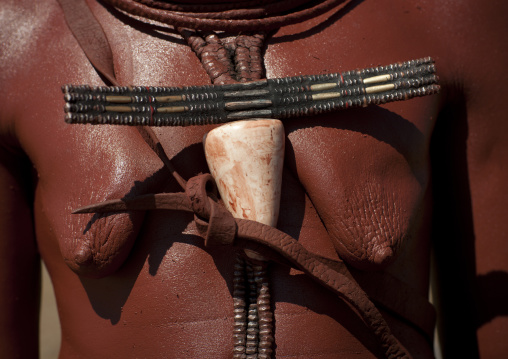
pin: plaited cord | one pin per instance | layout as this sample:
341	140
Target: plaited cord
232	21
227	60
253	318
237	60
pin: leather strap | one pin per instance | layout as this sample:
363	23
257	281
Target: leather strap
90	36
218	227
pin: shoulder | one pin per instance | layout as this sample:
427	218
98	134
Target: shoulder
38	54
469	37
26	25
29	30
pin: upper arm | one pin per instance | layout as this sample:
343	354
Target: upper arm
19	264
470	155
487	150
19	258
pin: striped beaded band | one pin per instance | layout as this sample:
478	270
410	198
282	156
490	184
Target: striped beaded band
273	98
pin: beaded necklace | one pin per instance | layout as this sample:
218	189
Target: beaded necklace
230	49
228	60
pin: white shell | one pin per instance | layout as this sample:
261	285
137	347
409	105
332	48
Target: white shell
246	159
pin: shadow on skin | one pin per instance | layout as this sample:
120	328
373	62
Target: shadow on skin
119	285
152	184
492	296
152	247
452	230
301	290
395	130
348	7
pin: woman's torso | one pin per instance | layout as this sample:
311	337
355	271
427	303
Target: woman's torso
361	175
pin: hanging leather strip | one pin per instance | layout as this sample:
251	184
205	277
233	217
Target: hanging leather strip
90	36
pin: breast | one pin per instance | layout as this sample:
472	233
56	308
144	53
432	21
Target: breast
366	174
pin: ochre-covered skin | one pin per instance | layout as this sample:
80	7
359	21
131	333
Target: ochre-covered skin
384	183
